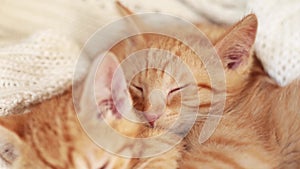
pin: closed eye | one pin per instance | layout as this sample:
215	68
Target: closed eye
173	94
177	89
137	88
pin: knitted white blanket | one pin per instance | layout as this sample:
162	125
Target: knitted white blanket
40	41
278	38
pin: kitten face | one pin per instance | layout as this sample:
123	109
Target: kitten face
157	89
157	102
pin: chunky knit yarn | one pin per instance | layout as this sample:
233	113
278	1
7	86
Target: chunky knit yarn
40	41
278	39
35	69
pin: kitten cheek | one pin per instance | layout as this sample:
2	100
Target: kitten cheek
173	98
169	99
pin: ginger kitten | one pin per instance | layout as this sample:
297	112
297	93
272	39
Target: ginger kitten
243	139
255	131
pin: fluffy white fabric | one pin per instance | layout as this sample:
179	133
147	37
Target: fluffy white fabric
278	38
35	69
40	41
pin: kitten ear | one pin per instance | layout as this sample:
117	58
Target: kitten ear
108	71
105	82
235	46
9	146
135	22
122	9
110	83
134	19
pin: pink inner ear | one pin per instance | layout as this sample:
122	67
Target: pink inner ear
110	85
103	77
234	65
236	56
234	53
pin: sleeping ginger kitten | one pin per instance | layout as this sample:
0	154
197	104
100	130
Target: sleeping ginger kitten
243	139
255	131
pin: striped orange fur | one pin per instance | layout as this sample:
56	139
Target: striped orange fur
259	128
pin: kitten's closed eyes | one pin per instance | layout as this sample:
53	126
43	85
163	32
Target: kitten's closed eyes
173	95
258	130
228	147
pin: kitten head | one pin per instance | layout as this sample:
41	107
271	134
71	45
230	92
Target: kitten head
156	93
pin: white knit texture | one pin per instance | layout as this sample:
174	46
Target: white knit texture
219	11
35	69
36	64
278	38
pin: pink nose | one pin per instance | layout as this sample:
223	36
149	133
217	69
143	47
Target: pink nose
151	118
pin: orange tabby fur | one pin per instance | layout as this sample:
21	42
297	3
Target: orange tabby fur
256	148
255	131
50	137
